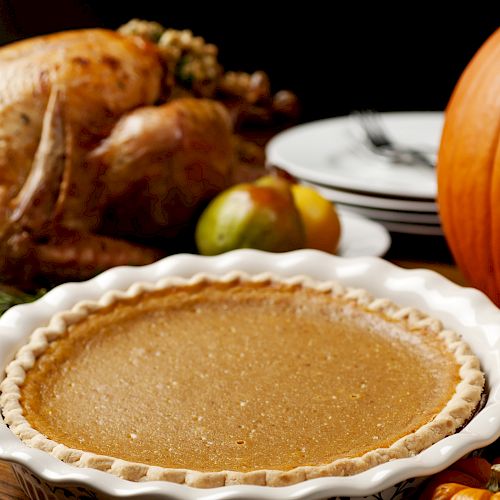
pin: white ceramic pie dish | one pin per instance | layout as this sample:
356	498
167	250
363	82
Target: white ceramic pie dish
466	311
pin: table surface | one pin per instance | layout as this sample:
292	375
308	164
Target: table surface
9	487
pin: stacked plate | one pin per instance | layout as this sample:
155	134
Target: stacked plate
332	155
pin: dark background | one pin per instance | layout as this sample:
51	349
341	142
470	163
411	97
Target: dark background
406	58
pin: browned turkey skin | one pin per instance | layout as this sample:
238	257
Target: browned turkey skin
89	159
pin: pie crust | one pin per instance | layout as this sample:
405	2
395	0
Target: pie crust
458	410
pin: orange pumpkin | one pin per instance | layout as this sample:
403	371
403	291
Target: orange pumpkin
469	170
468	479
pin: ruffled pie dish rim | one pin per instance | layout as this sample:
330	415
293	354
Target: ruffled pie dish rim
465	310
457	411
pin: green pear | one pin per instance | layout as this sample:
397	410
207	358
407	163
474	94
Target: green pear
259	215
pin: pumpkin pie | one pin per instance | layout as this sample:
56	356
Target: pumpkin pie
239	380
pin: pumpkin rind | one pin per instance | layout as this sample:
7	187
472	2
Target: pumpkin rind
465	480
469	170
477	467
447	490
447	477
472	494
495	211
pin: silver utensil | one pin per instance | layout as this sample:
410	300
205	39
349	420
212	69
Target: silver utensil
381	143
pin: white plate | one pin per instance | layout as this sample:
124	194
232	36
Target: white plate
331	152
364	200
466	311
392	216
361	237
393	226
422	229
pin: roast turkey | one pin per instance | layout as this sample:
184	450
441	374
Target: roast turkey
92	158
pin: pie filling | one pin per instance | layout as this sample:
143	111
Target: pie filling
240	377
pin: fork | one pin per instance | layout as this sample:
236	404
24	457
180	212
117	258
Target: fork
380	142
